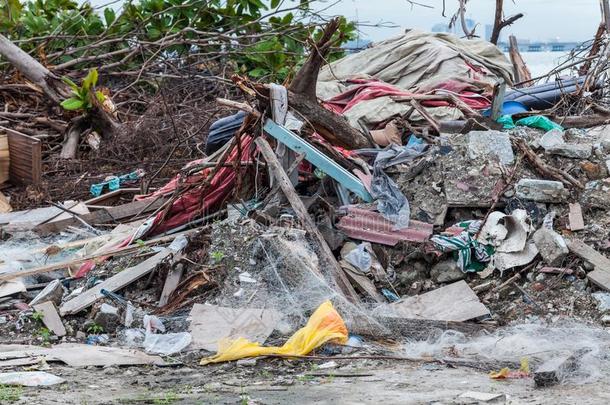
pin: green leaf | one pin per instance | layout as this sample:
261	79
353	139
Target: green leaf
275	3
90	80
70	83
109	16
72	104
100	96
258	72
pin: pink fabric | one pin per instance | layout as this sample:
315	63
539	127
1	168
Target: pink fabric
369	89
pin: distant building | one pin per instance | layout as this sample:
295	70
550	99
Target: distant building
489	29
440	27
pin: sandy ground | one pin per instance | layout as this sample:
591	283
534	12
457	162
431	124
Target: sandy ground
284	382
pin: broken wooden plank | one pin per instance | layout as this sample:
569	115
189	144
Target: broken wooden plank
577	223
5	205
454	302
424	113
4	157
25	157
51	318
317	158
120	279
327	257
102	216
28	219
601	274
26	361
82	355
11	287
498	99
9	274
358	278
211	323
171	282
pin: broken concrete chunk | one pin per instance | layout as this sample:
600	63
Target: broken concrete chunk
446	271
454	302
541	190
552	138
108	317
603	301
571	150
551	245
53	292
577	222
557	369
596	194
483	145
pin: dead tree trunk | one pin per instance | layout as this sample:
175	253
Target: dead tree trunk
522	73
302	97
39	75
500	23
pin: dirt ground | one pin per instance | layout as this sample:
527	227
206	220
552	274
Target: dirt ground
280	381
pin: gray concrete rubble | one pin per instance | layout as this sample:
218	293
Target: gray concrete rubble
596	194
547	191
484	145
550	139
446	271
551	245
574	151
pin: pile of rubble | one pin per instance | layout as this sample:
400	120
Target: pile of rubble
430	207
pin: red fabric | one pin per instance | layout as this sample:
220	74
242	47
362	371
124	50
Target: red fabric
369	89
195	202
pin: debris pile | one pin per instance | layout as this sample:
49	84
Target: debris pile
411	203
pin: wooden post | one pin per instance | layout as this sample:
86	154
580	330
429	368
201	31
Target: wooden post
327	257
498	99
522	73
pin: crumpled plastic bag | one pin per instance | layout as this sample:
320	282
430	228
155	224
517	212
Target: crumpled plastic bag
538	121
360	258
324	325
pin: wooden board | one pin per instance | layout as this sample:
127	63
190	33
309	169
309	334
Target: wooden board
171	282
25	157
211	323
601	275
454	302
12	287
107	215
114	283
51	318
81	355
4	158
29	219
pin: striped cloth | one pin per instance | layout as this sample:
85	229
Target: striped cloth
471	255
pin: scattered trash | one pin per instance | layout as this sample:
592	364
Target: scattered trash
435	199
324	325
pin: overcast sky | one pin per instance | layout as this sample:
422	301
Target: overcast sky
567	20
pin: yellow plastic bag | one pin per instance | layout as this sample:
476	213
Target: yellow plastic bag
324	325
